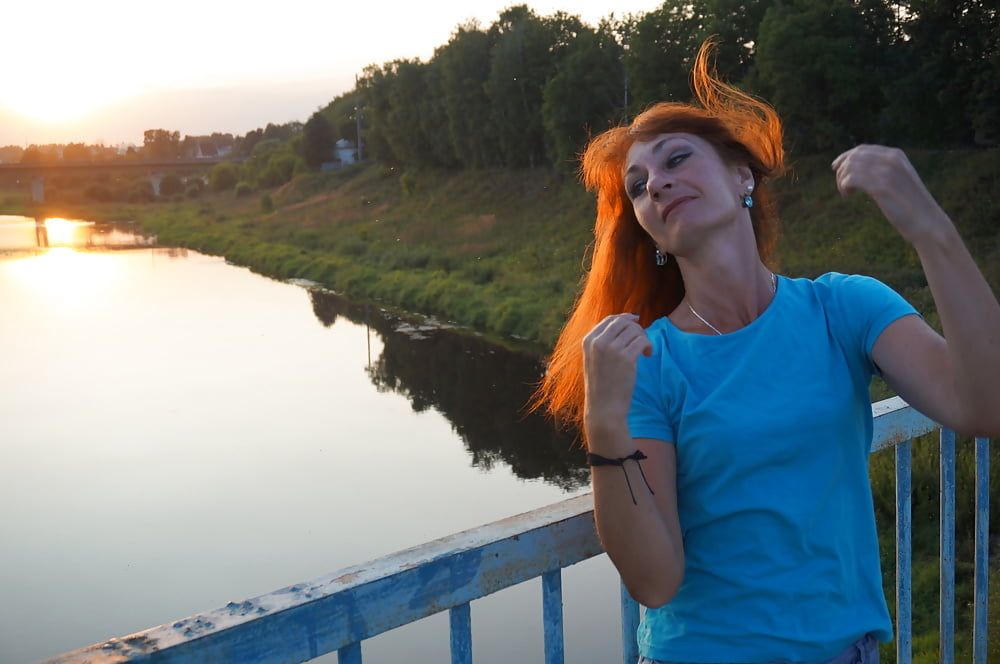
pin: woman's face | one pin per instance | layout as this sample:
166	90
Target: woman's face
681	189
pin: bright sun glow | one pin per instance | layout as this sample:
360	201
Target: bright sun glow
66	277
63	231
69	101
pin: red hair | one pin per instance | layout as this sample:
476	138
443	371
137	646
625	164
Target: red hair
623	276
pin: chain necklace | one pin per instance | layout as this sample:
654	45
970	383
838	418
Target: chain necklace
774	287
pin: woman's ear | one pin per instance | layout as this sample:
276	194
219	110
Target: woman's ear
744	177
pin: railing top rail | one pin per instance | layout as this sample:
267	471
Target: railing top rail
896	422
323	615
309	619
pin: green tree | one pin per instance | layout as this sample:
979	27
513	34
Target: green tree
520	65
277	170
941	95
32	155
986	103
161	144
76	152
374	86
317	140
822	86
736	23
223	177
464	63
171	185
661	46
433	120
583	97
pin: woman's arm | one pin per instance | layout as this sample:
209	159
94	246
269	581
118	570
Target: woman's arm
955	379
643	539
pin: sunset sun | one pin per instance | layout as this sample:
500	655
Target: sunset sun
45	101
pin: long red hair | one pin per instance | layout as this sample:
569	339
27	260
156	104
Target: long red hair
623	276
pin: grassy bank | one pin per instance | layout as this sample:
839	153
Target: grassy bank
502	252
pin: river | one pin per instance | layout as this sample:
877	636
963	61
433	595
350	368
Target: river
178	432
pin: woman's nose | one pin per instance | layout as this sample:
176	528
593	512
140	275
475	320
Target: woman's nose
656	184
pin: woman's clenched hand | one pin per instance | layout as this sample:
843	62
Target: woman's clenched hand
887	176
610	352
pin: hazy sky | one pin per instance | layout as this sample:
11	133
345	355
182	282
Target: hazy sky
104	70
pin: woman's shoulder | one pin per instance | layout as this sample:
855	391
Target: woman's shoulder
840	286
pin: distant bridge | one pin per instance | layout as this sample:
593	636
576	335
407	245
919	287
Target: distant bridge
155	169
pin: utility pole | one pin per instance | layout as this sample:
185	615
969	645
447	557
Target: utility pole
357	118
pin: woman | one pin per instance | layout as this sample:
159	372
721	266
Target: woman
740	397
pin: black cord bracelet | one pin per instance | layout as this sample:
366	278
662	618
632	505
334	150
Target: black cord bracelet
637	456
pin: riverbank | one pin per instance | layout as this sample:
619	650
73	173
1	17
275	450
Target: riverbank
501	251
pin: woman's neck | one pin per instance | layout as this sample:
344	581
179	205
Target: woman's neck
728	290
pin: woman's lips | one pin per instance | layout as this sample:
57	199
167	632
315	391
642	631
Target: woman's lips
676	204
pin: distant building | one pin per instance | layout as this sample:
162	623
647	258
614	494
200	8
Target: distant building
344	153
205	150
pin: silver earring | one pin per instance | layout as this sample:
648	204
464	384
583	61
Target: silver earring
661	258
747	199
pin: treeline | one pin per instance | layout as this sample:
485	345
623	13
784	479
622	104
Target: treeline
157	145
529	89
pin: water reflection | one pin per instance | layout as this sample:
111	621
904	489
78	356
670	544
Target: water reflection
481	389
26	235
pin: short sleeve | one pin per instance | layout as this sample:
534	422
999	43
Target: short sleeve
647	417
867	307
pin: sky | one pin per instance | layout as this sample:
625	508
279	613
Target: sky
105	70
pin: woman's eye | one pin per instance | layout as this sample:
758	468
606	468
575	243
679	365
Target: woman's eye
674	161
637	188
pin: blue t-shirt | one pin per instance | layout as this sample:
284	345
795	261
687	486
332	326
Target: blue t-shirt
772	425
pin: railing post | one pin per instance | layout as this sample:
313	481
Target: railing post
947	636
350	654
460	620
904	625
982	578
552	616
630	627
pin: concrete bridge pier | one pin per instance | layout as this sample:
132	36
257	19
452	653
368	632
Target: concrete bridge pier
155	179
38	189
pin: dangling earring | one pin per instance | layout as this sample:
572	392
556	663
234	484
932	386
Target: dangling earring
661	258
747	199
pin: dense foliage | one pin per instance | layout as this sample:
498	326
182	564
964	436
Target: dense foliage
529	89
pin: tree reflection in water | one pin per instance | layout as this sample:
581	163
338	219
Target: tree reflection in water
481	388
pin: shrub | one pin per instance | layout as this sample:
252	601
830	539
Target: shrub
266	204
141	191
222	177
98	192
195	182
243	189
278	170
193	192
408	183
171	185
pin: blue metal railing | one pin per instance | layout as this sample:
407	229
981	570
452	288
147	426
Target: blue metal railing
339	611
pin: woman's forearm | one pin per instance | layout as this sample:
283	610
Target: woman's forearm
647	553
970	321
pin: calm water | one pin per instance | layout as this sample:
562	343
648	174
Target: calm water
178	432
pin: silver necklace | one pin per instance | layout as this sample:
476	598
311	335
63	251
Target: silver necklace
774	282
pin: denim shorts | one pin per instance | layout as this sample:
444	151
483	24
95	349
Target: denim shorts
862	651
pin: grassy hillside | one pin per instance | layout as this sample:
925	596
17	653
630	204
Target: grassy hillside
501	251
